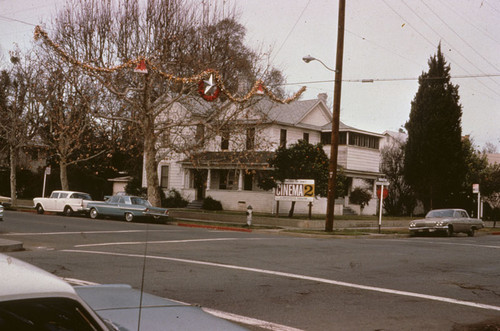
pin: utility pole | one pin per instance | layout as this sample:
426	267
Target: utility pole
334	148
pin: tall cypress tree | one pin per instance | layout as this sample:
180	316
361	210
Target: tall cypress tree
434	164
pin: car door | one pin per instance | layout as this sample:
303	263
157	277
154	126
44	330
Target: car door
50	203
112	206
60	202
461	222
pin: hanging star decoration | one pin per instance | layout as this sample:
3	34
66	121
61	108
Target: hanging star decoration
205	87
208	89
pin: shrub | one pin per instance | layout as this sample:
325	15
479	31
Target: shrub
360	196
174	200
211	204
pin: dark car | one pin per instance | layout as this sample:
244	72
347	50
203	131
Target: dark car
127	207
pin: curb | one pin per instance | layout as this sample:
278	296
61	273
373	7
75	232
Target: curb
10	245
215	227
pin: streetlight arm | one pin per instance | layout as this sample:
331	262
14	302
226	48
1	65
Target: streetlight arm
310	58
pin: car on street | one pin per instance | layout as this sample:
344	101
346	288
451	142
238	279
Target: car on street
1	212
447	221
66	202
127	207
33	299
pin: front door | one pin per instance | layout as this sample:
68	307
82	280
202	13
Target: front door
200	183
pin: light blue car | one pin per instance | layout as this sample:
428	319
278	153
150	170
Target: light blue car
127	207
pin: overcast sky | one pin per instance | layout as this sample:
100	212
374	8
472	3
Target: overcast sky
389	41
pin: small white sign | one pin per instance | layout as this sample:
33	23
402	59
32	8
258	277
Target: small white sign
475	188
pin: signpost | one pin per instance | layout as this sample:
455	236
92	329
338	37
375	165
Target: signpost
47	172
383	194
475	189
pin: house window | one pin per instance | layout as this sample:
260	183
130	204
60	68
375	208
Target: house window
283	138
224	140
164	176
250	144
326	138
363	140
226	179
305	136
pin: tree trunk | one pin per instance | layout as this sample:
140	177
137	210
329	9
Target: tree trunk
13	178
64	175
151	173
150	164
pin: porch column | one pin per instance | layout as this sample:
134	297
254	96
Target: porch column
209	179
240	180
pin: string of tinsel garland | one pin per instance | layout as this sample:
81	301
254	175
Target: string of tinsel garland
40	33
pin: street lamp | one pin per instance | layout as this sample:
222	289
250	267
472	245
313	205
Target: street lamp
310	58
334	148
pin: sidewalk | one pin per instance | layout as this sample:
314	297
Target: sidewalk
281	222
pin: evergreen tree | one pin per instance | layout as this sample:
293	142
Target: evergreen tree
434	162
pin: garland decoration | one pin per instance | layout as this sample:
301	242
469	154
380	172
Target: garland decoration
214	76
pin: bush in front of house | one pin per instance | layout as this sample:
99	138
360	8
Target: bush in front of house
174	200
360	196
210	203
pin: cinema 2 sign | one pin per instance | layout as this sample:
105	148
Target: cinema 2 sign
295	190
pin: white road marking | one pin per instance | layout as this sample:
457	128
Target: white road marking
447	243
164	242
302	277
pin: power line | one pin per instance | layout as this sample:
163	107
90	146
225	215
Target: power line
16	20
370	80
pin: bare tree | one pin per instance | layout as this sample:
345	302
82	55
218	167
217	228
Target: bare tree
67	126
18	111
178	43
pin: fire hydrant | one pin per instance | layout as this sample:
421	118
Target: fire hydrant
249	215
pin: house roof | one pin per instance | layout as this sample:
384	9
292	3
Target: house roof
291	113
229	159
493	158
344	128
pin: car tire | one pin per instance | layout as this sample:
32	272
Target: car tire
449	231
93	213
39	209
472	232
68	211
129	217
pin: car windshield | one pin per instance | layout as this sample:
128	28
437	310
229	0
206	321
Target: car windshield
140	201
46	314
440	213
83	196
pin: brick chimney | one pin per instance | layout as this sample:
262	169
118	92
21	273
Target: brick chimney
323	97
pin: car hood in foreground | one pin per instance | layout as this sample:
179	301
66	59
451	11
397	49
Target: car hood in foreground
119	305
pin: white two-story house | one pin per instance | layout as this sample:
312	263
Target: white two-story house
228	167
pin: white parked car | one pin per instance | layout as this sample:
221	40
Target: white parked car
67	202
33	299
1	212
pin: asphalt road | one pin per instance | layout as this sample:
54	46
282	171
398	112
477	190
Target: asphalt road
423	283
